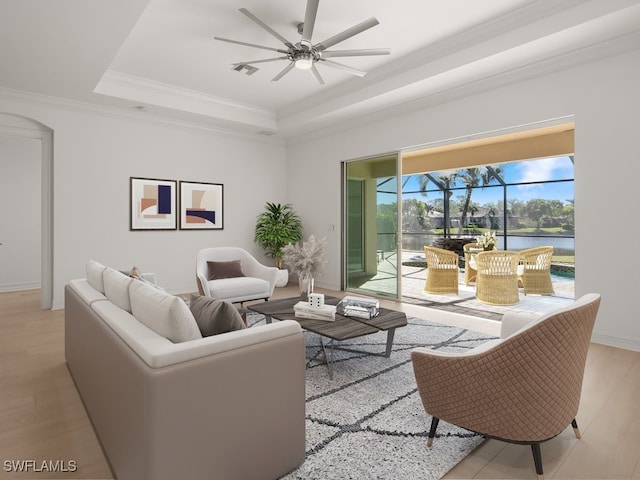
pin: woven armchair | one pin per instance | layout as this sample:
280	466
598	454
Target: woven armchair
469	271
522	388
534	273
442	270
497	277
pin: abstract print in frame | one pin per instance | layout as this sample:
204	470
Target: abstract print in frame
153	204
201	206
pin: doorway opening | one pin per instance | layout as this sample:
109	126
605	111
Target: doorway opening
15	126
462	190
370	220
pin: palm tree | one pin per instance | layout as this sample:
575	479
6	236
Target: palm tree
444	183
473	209
473	178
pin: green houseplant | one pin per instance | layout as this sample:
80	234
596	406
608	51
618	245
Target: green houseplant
276	227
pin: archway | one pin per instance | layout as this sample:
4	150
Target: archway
18	126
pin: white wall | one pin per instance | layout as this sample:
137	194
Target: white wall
95	153
604	99
20	223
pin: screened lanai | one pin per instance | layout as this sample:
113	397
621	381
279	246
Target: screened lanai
525	203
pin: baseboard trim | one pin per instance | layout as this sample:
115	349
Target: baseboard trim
15	287
627	344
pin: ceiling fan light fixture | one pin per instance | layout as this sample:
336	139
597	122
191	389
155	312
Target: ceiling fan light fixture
304	54
303	61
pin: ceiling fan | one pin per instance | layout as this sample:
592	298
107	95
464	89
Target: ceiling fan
304	55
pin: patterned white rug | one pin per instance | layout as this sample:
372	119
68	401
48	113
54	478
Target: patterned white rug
368	422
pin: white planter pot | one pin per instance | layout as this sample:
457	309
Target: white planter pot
282	279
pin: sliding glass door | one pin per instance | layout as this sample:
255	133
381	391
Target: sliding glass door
370	212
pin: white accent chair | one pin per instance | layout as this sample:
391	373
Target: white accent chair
254	281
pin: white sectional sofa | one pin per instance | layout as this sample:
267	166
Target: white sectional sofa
167	403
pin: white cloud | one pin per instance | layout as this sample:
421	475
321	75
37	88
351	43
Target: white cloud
538	170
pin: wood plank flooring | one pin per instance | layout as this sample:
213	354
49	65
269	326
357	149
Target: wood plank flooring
42	418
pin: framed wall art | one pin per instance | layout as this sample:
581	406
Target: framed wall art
153	204
201	206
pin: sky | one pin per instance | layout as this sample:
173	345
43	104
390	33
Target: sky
557	168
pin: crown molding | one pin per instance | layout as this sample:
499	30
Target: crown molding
139	115
499	34
436	83
149	92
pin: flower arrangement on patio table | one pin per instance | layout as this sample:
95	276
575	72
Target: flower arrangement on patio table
487	240
306	259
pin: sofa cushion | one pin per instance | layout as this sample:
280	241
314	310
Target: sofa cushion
157	351
230	288
148	278
165	314
116	287
83	288
94	275
218	270
215	316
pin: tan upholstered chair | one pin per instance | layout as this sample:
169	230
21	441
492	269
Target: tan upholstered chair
534	272
497	277
522	388
442	270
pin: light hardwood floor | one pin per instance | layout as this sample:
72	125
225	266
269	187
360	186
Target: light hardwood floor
42	417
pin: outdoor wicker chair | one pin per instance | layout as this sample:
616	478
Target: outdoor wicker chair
497	277
470	271
522	388
534	272
442	270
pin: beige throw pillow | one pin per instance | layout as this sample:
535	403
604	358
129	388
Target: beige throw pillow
215	316
116	288
163	313
94	275
135	273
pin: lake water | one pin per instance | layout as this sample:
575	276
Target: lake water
561	245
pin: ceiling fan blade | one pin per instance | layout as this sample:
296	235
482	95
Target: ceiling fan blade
348	33
355	53
345	68
262	61
251	45
309	20
283	72
316	74
266	27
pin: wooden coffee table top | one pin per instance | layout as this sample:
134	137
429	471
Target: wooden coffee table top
343	328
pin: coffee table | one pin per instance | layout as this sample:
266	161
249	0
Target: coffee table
343	328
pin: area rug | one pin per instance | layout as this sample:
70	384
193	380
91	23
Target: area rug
368	422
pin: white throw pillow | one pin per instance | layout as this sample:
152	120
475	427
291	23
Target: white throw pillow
94	275
165	314
116	288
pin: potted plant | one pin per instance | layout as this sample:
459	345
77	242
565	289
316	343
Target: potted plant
307	259
276	227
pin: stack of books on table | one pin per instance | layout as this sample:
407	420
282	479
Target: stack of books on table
304	310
